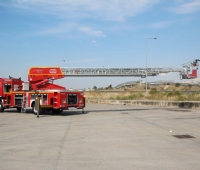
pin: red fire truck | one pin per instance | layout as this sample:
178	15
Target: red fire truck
15	93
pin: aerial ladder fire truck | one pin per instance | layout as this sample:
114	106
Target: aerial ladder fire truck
15	93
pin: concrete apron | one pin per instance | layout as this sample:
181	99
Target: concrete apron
158	103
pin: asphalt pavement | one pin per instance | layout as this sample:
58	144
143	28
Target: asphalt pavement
105	137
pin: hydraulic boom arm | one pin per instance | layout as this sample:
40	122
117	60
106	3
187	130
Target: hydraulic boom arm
41	78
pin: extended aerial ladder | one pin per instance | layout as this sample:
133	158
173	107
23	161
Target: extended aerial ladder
188	71
104	72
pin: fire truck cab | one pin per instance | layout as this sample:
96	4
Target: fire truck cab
8	91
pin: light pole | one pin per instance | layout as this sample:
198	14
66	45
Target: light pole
146	58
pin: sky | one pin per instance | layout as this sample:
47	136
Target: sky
98	33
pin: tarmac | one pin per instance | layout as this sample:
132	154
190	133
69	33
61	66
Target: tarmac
105	137
154	103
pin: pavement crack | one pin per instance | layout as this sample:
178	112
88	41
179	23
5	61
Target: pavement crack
61	146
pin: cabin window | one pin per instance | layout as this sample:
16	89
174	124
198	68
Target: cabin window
7	87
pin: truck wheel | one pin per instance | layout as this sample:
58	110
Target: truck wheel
1	107
33	109
57	111
19	109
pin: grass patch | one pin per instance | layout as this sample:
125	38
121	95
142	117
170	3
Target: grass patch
130	97
153	91
177	85
153	94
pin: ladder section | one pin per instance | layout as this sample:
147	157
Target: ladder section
99	72
24	102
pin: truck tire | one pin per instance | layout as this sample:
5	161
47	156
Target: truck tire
57	111
19	109
1	107
33	109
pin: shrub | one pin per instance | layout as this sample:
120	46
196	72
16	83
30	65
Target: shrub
190	86
176	93
118	98
112	98
153	91
140	95
170	94
147	86
177	84
181	98
131	97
